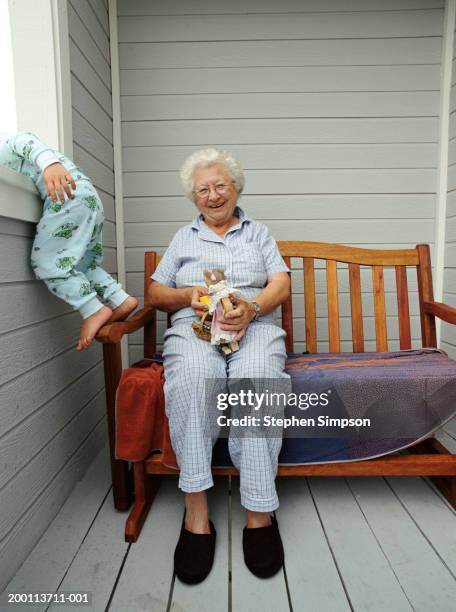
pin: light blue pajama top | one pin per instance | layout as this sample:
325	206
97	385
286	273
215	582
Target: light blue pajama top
23	152
248	254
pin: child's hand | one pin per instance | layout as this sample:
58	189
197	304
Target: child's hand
57	180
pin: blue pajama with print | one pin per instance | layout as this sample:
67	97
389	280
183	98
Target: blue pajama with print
248	255
67	250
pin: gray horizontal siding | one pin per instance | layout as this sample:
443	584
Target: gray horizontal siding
321	230
51	400
291	156
313	52
201	7
277	105
331	107
92	147
274	131
52	397
281	79
261	26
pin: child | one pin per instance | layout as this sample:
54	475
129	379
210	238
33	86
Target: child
67	250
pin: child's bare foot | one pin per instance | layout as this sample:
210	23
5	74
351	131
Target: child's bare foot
122	311
91	325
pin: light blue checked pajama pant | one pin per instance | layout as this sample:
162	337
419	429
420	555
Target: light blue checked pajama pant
67	252
188	362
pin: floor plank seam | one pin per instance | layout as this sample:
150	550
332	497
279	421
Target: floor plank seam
171	591
439	494
230	544
287	586
344	586
379	544
116	581
422	532
173	575
82	541
449	433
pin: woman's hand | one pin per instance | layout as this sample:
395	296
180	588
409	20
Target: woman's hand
238	319
57	180
198	306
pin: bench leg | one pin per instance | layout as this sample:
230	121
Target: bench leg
122	486
145	489
445	484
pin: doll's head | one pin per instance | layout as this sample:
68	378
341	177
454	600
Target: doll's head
212	277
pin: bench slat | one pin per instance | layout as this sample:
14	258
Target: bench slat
426	294
333	306
150	329
310	305
356	308
403	311
343	253
287	316
379	308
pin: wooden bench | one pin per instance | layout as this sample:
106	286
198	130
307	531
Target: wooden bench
428	458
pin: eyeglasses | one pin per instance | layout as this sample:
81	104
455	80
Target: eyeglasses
203	192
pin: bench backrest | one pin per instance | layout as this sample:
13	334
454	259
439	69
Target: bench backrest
332	254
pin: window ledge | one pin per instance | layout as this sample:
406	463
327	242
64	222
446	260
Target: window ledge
19	198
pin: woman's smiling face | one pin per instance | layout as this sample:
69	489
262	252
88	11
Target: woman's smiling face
215	194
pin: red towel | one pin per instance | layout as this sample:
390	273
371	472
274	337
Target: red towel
140	411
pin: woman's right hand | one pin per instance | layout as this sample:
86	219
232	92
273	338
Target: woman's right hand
198	306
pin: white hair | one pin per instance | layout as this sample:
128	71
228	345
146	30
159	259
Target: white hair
204	158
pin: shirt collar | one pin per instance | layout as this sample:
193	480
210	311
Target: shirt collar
199	224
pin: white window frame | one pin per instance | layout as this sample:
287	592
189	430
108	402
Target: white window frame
41	60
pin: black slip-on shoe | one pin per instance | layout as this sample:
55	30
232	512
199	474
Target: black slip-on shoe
263	549
194	555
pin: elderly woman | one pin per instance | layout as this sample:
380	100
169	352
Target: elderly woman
222	236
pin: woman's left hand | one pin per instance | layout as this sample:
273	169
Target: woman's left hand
238	319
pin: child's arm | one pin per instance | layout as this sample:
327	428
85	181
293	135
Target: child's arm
26	146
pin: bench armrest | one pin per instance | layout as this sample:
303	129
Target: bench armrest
113	332
440	310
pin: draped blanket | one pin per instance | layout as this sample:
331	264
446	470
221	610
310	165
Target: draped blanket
406	396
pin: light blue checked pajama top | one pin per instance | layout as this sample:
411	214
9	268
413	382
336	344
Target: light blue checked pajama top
249	255
67	250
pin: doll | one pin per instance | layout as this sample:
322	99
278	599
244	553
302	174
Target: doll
218	300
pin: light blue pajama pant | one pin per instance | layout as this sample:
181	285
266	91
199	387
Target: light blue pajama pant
67	252
188	361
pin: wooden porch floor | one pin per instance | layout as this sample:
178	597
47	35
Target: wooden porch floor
350	544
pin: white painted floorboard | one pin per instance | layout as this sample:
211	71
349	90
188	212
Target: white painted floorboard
99	558
370	582
427	584
146	578
361	544
312	574
45	567
212	594
250	593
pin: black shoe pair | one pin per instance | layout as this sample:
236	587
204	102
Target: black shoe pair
194	554
263	549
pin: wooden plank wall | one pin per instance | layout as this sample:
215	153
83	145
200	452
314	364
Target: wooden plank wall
51	397
448	333
331	107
